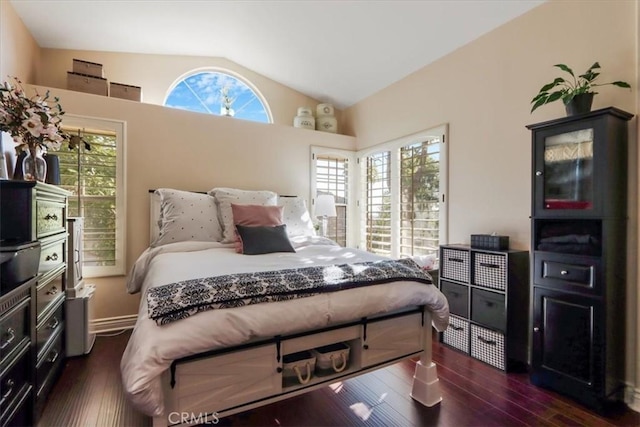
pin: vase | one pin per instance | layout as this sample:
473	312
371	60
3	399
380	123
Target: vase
325	120
304	119
579	104
53	169
34	167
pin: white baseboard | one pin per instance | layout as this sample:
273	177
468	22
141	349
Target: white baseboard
632	397
110	324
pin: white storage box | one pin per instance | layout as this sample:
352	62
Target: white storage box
331	359
297	368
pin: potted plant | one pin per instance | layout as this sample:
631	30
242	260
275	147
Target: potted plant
576	94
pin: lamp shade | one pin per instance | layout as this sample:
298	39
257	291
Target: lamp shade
326	205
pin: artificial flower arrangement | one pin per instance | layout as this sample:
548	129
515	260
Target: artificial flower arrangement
33	122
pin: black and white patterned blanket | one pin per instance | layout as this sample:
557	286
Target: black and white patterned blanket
175	301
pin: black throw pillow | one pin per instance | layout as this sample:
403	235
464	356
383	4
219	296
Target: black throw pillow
264	240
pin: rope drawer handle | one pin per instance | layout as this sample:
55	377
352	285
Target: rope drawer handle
52	291
333	362
52	217
456	328
52	257
307	378
455	259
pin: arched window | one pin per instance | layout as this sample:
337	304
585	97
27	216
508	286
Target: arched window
218	93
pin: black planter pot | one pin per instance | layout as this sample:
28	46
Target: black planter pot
580	104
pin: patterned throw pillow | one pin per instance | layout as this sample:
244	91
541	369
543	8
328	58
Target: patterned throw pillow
255	215
187	216
225	196
296	215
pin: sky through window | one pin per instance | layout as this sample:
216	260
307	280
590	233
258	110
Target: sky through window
218	93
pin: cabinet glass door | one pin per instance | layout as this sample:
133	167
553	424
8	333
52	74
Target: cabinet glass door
568	170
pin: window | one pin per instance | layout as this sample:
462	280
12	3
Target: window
378	203
331	176
404	186
219	93
94	174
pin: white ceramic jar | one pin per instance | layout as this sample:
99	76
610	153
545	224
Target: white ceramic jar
324	110
304	119
327	124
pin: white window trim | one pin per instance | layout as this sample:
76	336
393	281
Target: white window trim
352	171
394	146
221	70
119	127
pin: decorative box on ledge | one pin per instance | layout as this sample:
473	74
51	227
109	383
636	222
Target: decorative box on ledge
490	242
87	83
88	68
120	90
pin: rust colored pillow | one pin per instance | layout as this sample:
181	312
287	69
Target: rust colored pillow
254	216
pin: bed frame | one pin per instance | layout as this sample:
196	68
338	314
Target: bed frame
203	388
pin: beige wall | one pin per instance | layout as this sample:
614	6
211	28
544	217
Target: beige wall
157	73
483	91
19	52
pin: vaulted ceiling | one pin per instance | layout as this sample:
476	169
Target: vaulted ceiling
334	51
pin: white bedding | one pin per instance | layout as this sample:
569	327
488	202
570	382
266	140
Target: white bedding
152	348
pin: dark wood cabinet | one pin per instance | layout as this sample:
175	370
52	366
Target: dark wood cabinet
32	314
579	219
488	296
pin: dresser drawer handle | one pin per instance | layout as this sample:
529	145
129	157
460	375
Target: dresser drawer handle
11	334
486	341
54	324
564	272
53	356
489	303
488	265
455	259
8	385
52	257
52	291
456	328
51	217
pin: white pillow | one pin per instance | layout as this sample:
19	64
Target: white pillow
187	216
296	215
225	196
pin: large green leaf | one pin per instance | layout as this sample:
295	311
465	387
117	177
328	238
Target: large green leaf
589	76
551	85
621	84
565	68
540	102
555	96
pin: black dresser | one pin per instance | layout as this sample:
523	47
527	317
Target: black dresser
33	240
579	223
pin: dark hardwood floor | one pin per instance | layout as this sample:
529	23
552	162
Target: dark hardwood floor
89	394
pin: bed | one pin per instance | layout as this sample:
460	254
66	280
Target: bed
214	360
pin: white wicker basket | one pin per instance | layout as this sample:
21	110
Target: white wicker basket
298	368
331	358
